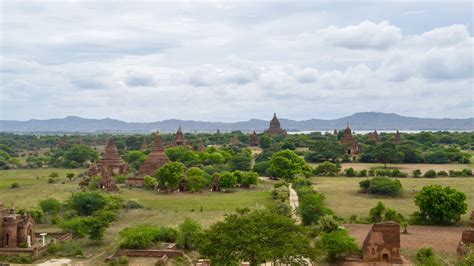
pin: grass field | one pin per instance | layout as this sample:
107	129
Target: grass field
342	194
407	168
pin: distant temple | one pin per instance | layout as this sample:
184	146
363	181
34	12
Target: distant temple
63	141
398	138
374	136
179	138
110	165
275	128
201	147
15	230
254	139
349	141
234	141
155	159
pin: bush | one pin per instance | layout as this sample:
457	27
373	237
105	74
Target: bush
426	256
416	173
440	205
149	182
350	172
188	234
123	260
362	173
14	185
398	173
337	244
442	173
85	203
132	204
51	180
328	224
120	179
50	205
430	174
138	237
311	205
376	213
261	168
385	186
327	169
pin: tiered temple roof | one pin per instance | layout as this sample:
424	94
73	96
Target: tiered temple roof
275	127
155	159
254	139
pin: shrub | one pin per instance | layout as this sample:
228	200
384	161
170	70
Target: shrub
138	237
426	256
51	180
149	182
430	174
311	205
337	244
381	186
327	169
188	234
442	173
350	172
362	173
328	224
85	203
440	205
14	185
132	204
376	213
120	179
398	173
416	173
261	168
50	205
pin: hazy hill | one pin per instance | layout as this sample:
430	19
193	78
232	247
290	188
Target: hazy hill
357	121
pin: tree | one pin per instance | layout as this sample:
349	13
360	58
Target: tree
377	212
381	186
241	161
227	180
311	205
149	182
195	179
81	154
440	205
70	176
256	236
265	142
322	151
249	178
183	154
86	203
50	205
327	169
286	164
386	152
189	233
337	244
170	174
430	174
135	158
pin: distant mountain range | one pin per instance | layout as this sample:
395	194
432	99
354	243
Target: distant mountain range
357	121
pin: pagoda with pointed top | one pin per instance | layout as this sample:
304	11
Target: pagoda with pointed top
234	141
397	138
254	139
155	159
275	128
110	165
201	147
374	136
347	140
179	138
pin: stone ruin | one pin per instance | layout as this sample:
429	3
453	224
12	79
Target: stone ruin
110	165
349	141
254	139
15	229
275	128
467	237
382	244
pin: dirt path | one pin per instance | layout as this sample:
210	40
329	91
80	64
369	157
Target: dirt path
294	203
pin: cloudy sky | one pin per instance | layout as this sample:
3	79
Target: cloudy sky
149	61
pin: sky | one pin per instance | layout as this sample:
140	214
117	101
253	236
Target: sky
148	61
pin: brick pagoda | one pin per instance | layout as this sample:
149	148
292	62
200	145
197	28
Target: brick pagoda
275	128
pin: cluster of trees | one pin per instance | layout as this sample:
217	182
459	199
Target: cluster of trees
385	186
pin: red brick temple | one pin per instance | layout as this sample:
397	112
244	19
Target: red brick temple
275	127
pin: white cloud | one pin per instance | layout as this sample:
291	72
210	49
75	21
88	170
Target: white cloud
366	35
147	62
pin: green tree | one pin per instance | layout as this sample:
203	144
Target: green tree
70	176
184	155
377	212
86	203
241	161
227	180
265	142
50	205
189	233
170	174
135	158
286	164
256	236
337	244
387	152
81	154
327	169
149	182
195	179
441	205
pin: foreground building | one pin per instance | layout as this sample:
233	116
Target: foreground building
16	230
382	244
467	237
275	127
